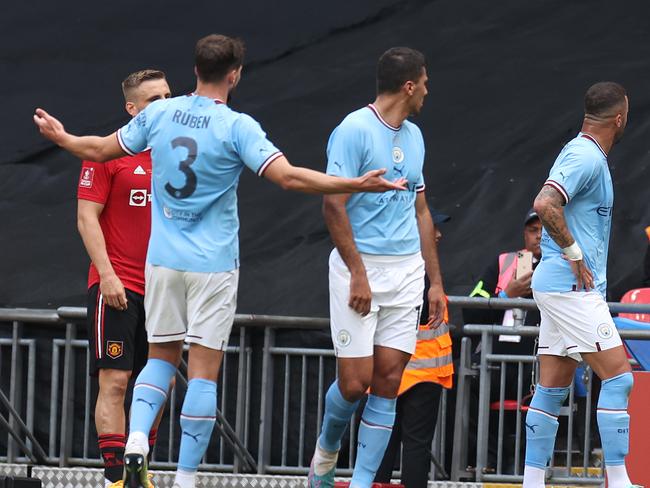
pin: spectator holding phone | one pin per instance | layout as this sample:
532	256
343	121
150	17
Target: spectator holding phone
508	275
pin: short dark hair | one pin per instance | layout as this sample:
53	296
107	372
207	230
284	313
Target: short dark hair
134	80
601	98
215	55
397	66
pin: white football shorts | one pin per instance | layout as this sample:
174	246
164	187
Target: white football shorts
574	322
194	307
397	285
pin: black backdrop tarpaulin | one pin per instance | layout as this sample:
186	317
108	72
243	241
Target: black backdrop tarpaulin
505	93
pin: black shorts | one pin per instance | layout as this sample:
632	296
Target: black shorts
116	339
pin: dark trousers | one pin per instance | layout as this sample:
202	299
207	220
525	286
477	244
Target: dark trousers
415	422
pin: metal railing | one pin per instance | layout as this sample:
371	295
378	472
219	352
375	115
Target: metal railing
490	371
271	395
271	428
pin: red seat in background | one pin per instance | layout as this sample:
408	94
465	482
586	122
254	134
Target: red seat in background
638	295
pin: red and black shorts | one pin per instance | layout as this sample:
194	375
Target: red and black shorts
116	339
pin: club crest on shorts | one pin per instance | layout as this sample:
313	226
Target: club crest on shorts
604	331
343	338
114	349
398	154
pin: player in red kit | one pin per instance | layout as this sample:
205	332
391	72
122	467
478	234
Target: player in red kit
114	220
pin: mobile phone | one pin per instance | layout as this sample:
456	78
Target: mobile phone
524	263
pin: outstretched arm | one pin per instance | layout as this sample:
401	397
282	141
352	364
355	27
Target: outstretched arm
307	180
90	148
436	294
549	205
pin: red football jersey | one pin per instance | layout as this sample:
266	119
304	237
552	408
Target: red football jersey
123	186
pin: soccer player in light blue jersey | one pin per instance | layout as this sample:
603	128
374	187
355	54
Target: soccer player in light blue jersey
384	245
199	148
569	284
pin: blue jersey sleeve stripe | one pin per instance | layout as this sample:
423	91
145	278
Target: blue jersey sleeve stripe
267	163
558	187
124	147
420	188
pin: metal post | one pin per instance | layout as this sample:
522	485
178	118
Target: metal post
569	441
461	418
587	445
483	407
242	387
520	373
31	385
266	404
303	408
54	399
285	410
502	395
15	385
67	407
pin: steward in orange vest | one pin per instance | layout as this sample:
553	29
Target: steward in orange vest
431	361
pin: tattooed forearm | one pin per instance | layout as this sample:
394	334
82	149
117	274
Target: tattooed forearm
548	205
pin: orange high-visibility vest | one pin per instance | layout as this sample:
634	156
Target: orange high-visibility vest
431	362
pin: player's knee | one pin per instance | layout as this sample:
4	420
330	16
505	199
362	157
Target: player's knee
614	392
114	383
352	389
386	383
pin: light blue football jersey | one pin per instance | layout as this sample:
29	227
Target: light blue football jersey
199	147
382	223
580	173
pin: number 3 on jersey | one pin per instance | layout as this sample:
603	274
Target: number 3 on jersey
184	166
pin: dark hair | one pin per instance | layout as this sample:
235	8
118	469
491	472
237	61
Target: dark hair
602	97
134	80
215	55
397	66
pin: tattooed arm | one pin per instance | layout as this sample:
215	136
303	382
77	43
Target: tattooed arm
549	206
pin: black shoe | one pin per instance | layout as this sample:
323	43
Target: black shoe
135	471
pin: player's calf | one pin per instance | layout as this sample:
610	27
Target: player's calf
110	421
198	416
541	429
336	419
614	427
374	433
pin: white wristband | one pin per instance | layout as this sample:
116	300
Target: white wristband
573	252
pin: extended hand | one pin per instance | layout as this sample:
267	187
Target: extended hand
49	126
113	292
360	295
372	181
437	305
584	276
519	287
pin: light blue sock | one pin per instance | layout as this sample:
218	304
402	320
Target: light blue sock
374	433
198	415
542	424
613	420
150	394
336	419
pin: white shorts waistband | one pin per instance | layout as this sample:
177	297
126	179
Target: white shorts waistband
385	261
